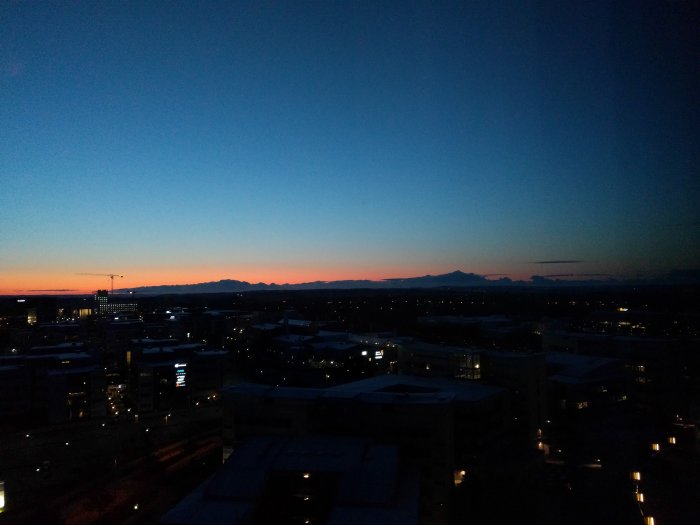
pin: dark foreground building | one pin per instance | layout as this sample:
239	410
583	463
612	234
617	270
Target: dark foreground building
442	428
305	480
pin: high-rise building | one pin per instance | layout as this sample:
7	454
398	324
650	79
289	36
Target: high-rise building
101	301
105	304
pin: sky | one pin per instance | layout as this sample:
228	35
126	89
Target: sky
183	142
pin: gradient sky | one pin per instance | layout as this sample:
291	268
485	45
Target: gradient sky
179	142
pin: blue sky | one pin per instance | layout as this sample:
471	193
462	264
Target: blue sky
177	142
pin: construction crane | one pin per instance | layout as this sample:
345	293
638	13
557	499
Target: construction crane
110	275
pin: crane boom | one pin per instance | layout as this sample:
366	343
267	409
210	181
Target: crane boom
110	275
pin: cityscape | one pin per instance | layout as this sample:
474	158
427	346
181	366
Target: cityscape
349	262
436	405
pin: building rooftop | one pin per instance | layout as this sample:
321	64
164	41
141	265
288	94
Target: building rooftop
266	327
581	367
416	389
460	320
293	339
295	322
420	346
383	389
338	346
359	482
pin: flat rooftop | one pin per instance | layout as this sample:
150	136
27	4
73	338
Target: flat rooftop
383	389
360	479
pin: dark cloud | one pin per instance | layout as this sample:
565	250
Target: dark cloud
578	275
572	261
50	290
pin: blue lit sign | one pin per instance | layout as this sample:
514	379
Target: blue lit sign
180	374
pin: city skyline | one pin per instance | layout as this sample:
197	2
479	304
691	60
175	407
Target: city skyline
294	142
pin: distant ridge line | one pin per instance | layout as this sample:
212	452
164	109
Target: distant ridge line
456	279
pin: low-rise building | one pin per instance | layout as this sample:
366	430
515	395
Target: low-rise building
311	479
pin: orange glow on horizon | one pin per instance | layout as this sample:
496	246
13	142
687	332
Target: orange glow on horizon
66	283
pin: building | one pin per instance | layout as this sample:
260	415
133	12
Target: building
441	427
52	387
524	375
582	382
311	479
106	304
425	359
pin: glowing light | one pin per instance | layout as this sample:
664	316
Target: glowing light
672	440
655	447
306	475
637	476
180	375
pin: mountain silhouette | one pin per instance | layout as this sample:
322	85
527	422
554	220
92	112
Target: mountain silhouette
453	279
456	279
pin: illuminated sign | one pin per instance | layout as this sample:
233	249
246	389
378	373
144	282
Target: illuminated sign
180	374
378	354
